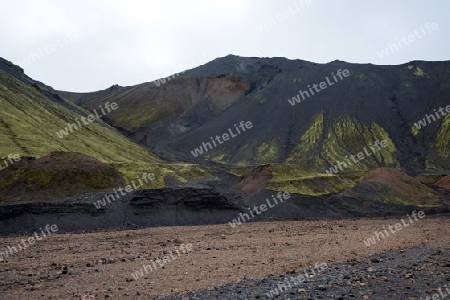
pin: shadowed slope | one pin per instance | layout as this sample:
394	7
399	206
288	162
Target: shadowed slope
293	121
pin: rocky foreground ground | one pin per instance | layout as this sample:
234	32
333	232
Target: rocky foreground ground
413	273
246	262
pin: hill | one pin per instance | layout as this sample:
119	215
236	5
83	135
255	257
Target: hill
32	115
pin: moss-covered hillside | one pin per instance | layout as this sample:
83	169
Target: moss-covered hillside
30	120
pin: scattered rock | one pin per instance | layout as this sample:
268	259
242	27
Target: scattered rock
343	278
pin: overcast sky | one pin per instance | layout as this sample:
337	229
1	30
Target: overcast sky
88	45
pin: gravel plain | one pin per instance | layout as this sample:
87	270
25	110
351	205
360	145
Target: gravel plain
245	262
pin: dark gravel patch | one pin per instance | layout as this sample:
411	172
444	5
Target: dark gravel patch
413	273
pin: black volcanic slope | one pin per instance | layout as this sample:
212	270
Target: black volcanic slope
372	103
300	140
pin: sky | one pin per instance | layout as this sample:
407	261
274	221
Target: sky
89	45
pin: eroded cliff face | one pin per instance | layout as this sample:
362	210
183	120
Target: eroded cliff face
149	105
194	198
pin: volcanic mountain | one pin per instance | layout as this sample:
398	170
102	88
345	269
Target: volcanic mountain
343	139
309	120
294	120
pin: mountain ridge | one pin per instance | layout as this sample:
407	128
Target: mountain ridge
380	100
288	148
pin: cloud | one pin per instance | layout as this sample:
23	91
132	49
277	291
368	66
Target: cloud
129	42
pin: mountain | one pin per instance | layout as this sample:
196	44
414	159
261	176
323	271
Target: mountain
315	129
307	120
340	139
32	116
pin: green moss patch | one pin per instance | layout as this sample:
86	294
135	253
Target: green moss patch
349	137
306	152
420	73
267	152
294	179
